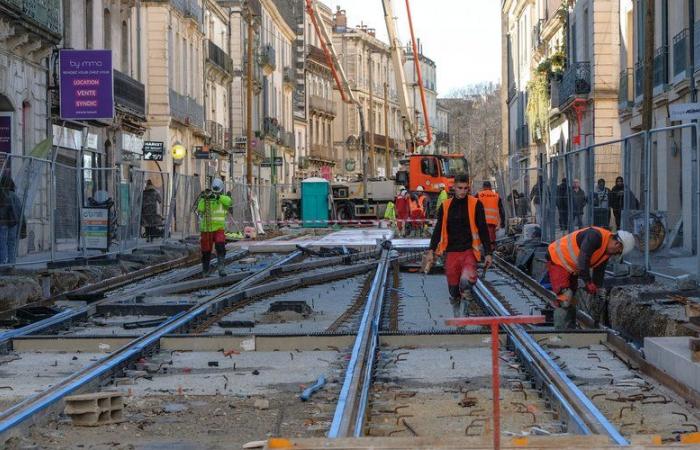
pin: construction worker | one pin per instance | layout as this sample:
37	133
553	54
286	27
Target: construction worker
417	205
441	197
402	210
575	256
212	208
493	208
461	233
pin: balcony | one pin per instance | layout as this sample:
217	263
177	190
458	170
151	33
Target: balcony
189	9
215	131
288	76
316	54
268	58
537	34
271	128
287	139
638	79
218	57
320	152
129	94
322	106
575	83
661	66
185	109
625	95
45	14
380	140
680	52
522	137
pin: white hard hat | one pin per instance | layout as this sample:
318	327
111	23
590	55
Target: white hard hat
419	189
217	185
401	188
628	241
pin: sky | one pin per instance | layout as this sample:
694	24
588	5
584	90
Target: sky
463	37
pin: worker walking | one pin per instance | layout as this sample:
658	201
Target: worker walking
441	197
461	232
402	210
493	208
575	256
418	211
212	208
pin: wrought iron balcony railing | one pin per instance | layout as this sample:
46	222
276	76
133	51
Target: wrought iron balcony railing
45	14
268	57
322	105
217	56
129	94
625	95
186	109
638	78
215	131
661	66
576	82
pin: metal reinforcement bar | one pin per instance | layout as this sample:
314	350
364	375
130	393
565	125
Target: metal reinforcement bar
350	411
64	318
583	416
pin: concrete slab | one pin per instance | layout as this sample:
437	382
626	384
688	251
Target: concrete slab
672	355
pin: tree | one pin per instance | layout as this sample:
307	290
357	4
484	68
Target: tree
475	127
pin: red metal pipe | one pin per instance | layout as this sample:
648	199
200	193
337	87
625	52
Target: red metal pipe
416	62
326	52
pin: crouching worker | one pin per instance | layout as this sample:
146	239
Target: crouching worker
212	208
582	254
462	234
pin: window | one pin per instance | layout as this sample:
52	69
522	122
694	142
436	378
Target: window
429	167
107	29
26	127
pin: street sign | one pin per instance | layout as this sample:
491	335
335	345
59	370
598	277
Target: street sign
94	228
153	150
684	111
201	152
86	84
267	162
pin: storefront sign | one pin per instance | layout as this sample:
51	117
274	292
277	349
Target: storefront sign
132	143
153	150
267	162
86	84
5	138
201	152
94	228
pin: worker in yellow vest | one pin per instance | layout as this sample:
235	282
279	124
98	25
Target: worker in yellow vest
493	208
212	207
462	235
582	254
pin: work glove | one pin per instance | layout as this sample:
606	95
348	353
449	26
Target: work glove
591	288
488	262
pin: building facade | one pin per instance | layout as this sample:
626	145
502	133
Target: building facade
428	74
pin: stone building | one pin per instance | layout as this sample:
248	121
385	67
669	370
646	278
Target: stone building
428	72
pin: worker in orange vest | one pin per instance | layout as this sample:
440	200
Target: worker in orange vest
461	233
493	208
582	254
418	211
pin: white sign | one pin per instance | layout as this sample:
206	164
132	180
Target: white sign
684	111
94	228
132	143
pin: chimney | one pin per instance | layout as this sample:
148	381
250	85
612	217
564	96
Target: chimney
372	32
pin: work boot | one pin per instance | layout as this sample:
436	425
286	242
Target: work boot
206	264
467	297
222	270
455	302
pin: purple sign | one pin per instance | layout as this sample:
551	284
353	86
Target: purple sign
86	84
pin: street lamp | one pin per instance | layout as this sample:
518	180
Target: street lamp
178	152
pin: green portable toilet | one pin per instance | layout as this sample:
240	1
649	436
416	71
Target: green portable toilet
314	202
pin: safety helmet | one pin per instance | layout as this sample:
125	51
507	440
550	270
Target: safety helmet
217	185
419	189
628	241
401	188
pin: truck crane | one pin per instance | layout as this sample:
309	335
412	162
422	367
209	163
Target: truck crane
368	199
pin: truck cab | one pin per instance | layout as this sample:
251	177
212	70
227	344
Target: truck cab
432	172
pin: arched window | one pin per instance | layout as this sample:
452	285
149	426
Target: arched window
107	28
125	47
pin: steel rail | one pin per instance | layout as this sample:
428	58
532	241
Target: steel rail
585	417
20	412
71	314
350	410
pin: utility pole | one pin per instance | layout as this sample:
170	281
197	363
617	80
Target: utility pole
371	115
387	158
648	65
249	100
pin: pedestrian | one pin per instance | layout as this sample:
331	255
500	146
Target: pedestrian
601	205
441	197
563	204
582	254
403	210
536	200
417	212
461	233
617	200
579	201
493	209
150	206
212	208
390	215
11	220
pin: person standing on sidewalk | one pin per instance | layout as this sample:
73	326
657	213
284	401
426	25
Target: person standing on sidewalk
579	201
462	235
10	218
212	208
150	205
535	198
493	208
582	254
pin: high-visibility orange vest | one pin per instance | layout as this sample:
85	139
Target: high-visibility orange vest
565	251
490	201
471	209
